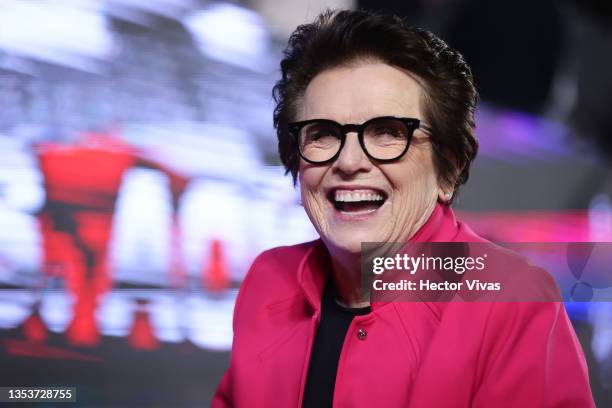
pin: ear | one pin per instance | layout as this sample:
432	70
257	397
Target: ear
446	187
445	195
446	190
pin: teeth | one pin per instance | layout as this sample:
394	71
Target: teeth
351	197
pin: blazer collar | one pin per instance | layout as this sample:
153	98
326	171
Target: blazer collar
315	265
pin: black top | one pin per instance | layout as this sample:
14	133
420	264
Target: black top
335	321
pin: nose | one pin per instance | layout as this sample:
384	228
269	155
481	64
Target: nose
352	158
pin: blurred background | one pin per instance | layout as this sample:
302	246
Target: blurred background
139	175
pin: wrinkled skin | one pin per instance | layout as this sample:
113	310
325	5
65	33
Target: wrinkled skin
354	94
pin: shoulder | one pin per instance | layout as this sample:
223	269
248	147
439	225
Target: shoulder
466	234
273	275
279	263
520	278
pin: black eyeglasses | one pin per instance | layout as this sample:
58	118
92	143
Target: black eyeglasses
383	139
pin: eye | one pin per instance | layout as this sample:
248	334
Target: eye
388	131
386	137
386	134
319	132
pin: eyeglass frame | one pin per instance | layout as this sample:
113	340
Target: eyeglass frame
412	124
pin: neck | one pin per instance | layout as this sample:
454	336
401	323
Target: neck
346	275
351	289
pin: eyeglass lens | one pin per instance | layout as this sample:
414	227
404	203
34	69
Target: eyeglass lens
384	139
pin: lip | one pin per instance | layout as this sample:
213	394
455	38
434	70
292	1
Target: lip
343	216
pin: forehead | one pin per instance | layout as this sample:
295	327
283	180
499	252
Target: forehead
356	93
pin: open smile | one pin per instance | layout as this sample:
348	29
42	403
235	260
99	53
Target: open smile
356	202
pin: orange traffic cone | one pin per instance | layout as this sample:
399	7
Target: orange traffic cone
34	328
141	336
215	274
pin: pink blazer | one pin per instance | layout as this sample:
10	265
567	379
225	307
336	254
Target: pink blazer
413	355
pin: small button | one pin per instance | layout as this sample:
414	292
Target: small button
362	334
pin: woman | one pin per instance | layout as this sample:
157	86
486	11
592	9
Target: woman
375	119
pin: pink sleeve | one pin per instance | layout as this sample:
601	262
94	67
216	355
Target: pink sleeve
222	398
224	394
532	358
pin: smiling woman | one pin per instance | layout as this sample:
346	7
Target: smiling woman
407	182
375	120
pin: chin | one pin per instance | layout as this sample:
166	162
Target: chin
349	241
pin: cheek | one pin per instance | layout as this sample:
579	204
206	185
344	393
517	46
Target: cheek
415	178
310	179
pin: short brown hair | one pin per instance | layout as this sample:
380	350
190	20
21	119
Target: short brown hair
338	38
